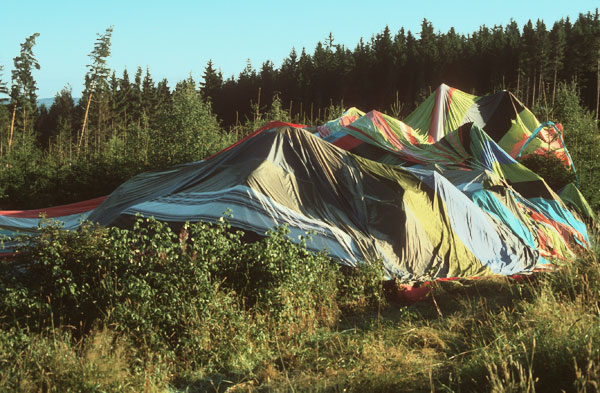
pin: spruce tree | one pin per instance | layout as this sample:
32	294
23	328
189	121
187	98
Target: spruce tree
558	43
212	82
23	88
96	80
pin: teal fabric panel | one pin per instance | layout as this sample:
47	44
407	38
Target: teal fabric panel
489	203
555	211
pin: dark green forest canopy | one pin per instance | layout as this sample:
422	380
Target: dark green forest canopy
399	66
404	66
135	123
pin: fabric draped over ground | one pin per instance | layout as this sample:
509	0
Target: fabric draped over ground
439	195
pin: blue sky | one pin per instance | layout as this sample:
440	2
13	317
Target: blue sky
175	38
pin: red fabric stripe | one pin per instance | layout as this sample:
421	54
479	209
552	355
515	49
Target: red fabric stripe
411	294
450	92
347	142
56	211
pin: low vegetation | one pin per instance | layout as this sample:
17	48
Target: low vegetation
150	309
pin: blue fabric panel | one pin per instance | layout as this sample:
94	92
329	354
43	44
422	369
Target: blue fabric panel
494	246
488	202
501	156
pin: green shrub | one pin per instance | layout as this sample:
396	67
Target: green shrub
362	286
278	278
551	169
198	297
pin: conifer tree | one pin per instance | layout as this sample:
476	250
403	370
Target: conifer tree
23	88
558	43
212	82
136	97
97	77
124	99
148	101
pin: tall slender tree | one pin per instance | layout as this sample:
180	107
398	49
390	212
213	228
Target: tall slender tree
23	88
97	76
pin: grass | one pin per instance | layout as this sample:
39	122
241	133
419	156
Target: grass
294	332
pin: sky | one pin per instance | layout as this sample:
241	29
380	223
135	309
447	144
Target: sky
177	38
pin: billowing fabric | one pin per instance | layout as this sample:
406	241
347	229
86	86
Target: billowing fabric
451	134
356	208
439	195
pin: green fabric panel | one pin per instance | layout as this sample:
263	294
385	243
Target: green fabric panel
401	129
516	173
336	125
420	118
460	103
522	127
516	134
571	195
528	119
453	103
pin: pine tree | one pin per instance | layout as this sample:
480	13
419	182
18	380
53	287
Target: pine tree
97	76
148	96
23	88
211	87
136	97
288	81
428	54
512	70
385	75
60	123
304	77
123	99
212	82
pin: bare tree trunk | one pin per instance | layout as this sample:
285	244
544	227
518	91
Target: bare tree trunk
24	123
12	126
85	117
533	93
527	95
554	86
598	86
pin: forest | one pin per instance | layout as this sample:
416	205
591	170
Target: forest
124	124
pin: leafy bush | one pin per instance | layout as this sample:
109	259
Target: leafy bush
362	286
582	138
551	169
190	294
152	309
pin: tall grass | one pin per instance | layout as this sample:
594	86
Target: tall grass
149	309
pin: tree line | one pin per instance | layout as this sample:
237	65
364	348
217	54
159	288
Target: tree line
404	68
123	124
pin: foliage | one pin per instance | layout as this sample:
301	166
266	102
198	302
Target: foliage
191	297
200	309
191	131
582	139
153	309
551	169
362	286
